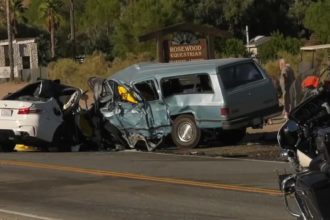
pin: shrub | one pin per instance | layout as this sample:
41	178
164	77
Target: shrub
75	74
269	50
234	48
130	59
272	67
64	69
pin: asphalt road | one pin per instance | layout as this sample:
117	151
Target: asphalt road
136	185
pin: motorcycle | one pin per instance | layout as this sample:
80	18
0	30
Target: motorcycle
305	142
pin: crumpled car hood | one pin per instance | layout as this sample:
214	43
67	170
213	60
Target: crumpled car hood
124	108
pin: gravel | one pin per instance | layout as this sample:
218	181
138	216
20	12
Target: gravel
260	144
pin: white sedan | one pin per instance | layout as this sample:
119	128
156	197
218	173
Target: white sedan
40	114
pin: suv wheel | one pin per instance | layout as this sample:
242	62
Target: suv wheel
185	133
231	137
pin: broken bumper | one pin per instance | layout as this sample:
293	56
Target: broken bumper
252	120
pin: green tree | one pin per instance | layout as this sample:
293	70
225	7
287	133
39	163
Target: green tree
17	9
203	12
97	24
317	19
50	13
141	17
32	14
297	12
17	14
235	13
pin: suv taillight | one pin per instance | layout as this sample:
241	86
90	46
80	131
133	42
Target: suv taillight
26	111
224	111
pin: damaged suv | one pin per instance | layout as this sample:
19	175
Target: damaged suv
220	97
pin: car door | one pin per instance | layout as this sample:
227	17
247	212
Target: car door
158	116
136	118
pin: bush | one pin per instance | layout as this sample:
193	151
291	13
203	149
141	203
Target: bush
234	48
272	67
64	69
269	50
130	59
75	74
72	73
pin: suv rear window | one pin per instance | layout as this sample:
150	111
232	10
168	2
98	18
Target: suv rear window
186	84
238	75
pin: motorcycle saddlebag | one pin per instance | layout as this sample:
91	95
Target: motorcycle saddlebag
313	194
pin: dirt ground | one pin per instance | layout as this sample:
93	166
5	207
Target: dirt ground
258	143
6	88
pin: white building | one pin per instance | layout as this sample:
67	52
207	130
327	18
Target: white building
25	53
255	43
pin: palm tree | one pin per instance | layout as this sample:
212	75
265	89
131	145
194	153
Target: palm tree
17	15
72	27
10	41
50	12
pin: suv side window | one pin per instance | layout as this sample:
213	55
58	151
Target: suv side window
148	90
186	84
239	75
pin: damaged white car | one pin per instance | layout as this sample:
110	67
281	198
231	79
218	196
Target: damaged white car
41	114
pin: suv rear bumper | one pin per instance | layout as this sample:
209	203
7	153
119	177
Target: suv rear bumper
252	120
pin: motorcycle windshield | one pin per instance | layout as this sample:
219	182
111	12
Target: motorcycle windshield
308	80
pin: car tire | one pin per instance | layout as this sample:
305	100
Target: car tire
61	140
232	137
7	147
185	133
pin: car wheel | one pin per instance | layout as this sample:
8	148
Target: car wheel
7	147
185	133
231	137
61	140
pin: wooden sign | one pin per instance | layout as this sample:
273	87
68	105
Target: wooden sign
186	52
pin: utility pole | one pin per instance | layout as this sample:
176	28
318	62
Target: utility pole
10	41
72	27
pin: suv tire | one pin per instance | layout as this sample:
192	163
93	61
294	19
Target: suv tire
231	137
185	133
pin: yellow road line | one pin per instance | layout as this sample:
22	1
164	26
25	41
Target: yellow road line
271	192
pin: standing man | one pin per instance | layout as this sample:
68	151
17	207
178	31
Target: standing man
286	79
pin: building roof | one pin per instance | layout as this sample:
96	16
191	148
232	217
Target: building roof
19	41
316	47
191	27
258	40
